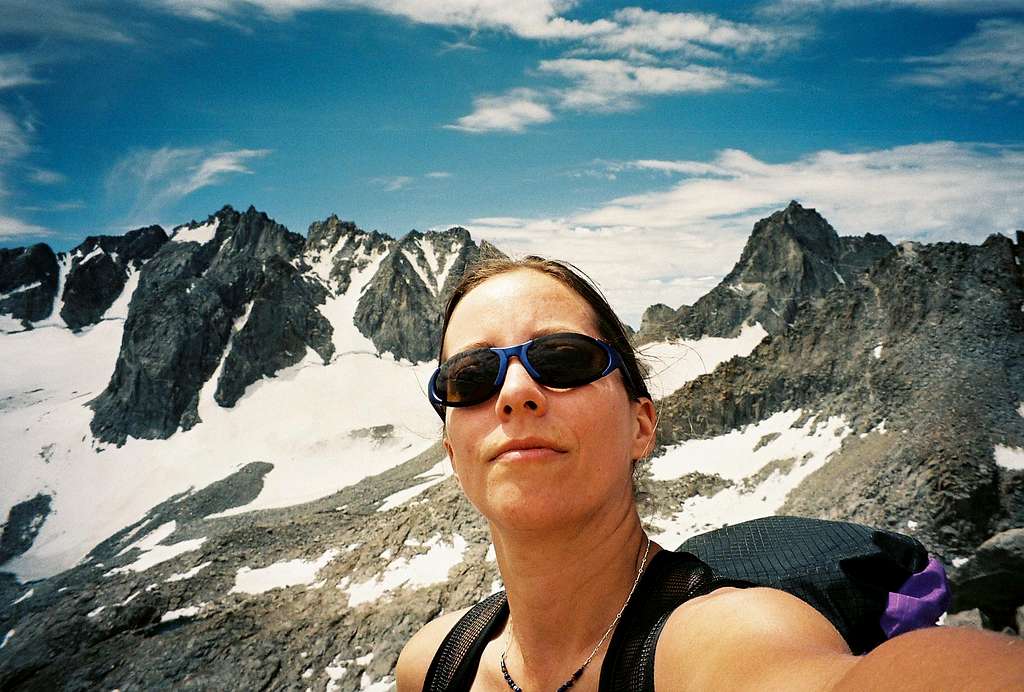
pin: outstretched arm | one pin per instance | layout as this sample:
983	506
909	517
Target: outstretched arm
764	639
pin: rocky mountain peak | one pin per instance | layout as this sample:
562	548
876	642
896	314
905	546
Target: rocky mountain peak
335	249
791	256
417	276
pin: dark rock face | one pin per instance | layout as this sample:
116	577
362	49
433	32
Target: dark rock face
180	323
23	524
282	322
401	309
28	282
930	340
99	270
991	580
792	255
347	247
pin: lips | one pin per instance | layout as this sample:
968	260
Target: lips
526	449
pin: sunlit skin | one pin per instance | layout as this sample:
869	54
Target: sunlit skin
551	472
576	466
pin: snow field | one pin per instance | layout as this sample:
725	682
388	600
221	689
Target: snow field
420	570
153	553
1010	458
674	363
200	234
280	574
732	456
300	421
437	473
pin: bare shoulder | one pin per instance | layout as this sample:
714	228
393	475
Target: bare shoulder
419	651
748	638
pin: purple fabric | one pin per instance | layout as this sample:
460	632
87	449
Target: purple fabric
922	599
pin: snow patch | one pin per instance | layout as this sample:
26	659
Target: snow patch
428	568
877	352
435	475
200	234
20	289
153	553
7	638
118	310
280	574
911	524
24	597
181	576
960	561
1011	458
731	456
674	363
189	612
839	277
95	612
95	252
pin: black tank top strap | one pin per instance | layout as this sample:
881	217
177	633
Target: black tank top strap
670	580
455	663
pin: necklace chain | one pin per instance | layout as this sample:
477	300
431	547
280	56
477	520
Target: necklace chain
579	671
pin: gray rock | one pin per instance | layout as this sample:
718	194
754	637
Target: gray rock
348	248
181	318
28	282
991	580
99	270
400	311
791	256
23	524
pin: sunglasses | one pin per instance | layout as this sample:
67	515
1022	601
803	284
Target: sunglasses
562	361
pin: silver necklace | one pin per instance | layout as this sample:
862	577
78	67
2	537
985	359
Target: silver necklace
579	671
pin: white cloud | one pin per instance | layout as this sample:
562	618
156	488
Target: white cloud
611	84
11	227
57	19
992	58
927	192
152	179
45	177
439	174
15	71
393	183
512	111
969	6
696	35
532	19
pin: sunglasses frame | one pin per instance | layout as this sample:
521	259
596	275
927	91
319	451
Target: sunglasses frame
519	351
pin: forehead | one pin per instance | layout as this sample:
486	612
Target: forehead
514	307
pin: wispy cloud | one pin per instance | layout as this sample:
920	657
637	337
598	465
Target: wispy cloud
612	84
647	45
512	111
16	71
694	35
594	85
966	6
42	176
392	183
152	179
59	19
55	206
395	183
533	19
927	192
991	58
11	228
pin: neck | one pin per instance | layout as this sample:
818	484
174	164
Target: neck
564	590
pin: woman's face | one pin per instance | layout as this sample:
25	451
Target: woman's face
532	457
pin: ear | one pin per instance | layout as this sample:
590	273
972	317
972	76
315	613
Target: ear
451	456
645	423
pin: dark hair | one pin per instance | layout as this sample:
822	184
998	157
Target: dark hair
609	326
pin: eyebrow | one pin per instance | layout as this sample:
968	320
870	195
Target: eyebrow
543	331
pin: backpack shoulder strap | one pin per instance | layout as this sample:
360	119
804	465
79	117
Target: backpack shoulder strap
455	663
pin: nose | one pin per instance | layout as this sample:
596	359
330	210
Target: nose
519	392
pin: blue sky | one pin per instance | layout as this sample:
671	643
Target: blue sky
596	131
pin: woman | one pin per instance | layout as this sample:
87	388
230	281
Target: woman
547	456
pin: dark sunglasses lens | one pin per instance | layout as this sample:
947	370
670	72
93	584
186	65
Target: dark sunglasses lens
468	378
567	360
